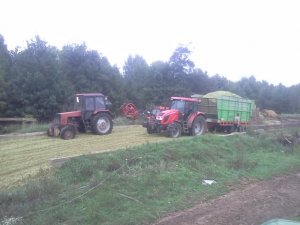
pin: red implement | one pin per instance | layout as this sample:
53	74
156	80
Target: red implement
130	111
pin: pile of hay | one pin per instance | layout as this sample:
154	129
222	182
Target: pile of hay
217	94
267	113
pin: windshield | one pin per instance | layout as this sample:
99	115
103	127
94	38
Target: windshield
178	105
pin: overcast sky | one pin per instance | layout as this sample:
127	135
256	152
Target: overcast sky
232	38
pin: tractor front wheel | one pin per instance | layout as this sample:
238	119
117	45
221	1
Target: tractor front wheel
67	133
174	130
199	126
53	131
102	124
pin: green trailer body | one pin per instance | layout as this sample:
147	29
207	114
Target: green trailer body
222	110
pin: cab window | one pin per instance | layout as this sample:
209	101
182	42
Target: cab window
100	103
89	103
178	105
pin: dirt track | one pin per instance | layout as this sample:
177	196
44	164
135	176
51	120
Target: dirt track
253	204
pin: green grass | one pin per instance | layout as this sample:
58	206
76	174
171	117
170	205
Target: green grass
120	121
42	127
22	157
141	184
296	218
26	128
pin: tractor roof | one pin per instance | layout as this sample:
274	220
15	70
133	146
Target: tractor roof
185	99
89	94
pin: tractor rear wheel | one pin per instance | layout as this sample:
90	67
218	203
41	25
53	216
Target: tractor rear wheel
199	126
174	130
102	124
67	133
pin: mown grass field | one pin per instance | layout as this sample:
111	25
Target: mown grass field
21	157
141	184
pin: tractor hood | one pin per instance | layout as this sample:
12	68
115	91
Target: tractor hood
163	114
70	114
64	116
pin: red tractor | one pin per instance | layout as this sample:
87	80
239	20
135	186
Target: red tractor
183	116
90	113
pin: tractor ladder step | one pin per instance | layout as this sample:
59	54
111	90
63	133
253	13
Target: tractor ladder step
185	127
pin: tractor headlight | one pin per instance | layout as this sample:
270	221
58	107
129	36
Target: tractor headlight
159	117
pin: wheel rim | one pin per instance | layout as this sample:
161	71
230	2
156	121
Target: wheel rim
197	128
174	131
103	125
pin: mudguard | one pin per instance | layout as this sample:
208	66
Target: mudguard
192	117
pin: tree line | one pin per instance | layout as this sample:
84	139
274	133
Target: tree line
40	80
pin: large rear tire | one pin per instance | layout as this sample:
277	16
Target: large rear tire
67	133
102	124
199	126
174	130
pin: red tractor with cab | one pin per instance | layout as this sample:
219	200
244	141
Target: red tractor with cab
182	117
91	112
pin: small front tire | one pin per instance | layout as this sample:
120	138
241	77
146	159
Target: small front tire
67	133
174	130
53	131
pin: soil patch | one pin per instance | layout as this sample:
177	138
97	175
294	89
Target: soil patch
254	204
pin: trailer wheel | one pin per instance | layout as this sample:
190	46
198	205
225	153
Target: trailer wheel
67	133
174	130
199	126
102	124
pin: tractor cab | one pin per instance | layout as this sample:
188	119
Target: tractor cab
91	102
185	106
